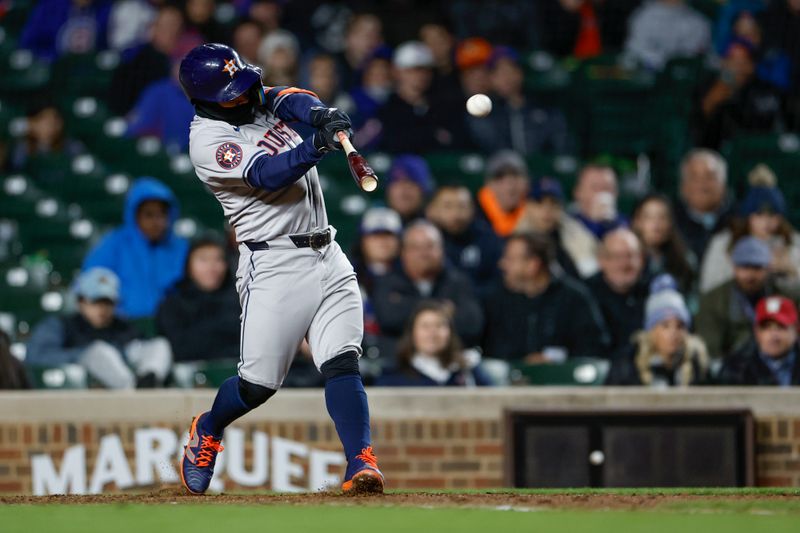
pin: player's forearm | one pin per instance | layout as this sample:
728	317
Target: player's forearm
291	103
276	172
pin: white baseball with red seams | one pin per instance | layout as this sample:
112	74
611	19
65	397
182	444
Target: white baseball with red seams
479	105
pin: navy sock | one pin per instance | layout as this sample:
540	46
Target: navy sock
228	406
347	405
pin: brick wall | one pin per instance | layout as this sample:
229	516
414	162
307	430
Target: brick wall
423	440
778	452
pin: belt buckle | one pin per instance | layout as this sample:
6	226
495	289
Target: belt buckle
318	240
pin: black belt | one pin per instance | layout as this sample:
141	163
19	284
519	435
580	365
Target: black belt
308	240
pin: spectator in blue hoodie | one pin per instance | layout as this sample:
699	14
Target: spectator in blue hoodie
144	252
57	27
163	111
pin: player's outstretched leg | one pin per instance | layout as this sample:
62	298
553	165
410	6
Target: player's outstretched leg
347	405
235	398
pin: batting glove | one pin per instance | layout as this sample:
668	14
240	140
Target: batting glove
326	138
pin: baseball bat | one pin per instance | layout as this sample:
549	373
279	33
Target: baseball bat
362	173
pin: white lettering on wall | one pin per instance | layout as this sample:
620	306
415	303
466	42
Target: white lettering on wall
283	469
111	466
154	460
234	444
70	480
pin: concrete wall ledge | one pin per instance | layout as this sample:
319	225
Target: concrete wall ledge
387	404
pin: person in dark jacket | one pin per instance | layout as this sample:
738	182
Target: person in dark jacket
620	288
413	119
664	354
144	252
726	314
201	317
469	242
544	213
12	372
536	316
771	358
423	276
705	205
430	354
111	350
516	121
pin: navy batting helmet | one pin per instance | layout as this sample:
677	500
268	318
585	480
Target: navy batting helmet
215	73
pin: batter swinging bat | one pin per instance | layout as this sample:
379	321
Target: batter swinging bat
363	174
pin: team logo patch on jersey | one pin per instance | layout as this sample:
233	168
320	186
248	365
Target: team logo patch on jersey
229	155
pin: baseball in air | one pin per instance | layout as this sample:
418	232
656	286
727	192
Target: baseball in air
479	105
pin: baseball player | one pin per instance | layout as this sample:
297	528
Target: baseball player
293	279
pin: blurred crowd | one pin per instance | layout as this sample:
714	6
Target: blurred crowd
693	287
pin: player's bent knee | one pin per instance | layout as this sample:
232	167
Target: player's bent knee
254	395
342	365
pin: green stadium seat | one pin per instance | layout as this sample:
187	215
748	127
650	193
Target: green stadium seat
66	377
582	371
86	118
23	73
463	168
84	74
210	374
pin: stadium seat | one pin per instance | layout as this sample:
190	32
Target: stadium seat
59	377
23	73
84	74
209	374
582	371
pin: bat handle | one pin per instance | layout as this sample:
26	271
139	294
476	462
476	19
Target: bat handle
346	144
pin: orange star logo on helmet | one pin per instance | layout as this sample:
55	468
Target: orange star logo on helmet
230	67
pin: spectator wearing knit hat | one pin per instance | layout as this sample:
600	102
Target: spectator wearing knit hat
408	186
664	354
771	358
725	317
762	214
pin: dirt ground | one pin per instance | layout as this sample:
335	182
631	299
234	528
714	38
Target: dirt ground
411	499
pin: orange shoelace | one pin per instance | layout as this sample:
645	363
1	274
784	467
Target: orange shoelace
208	444
368	457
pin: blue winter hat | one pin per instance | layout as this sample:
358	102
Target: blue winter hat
546	188
760	199
763	194
751	251
412	168
665	302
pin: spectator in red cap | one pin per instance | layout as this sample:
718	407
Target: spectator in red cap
771	357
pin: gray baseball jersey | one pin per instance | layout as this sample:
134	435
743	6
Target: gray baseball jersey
286	293
222	155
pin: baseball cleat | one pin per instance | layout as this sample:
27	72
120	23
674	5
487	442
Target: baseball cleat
367	478
199	456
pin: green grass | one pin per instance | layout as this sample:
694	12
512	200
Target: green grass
235	518
716	511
